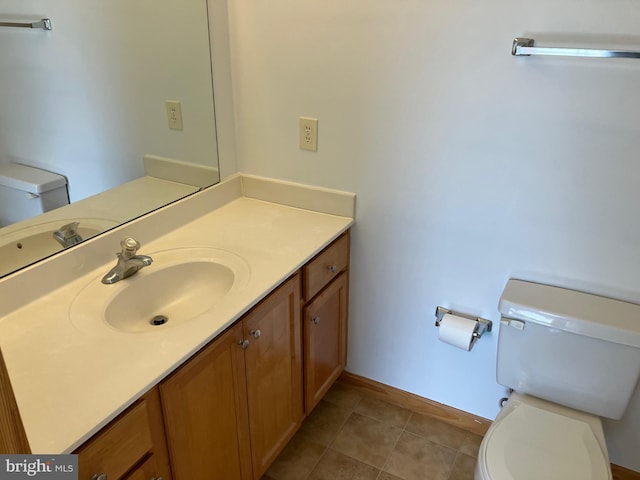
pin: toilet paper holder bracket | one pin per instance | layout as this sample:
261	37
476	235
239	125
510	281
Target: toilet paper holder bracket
484	325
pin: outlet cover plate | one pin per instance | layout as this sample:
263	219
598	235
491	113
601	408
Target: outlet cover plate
174	114
309	134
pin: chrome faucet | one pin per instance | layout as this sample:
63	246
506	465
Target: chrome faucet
67	235
128	262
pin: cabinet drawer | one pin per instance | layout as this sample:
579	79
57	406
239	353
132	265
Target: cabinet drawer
325	266
117	448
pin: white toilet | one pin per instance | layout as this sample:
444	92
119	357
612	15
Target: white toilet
28	191
570	358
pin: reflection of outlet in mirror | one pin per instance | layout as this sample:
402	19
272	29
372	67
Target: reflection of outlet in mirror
309	133
174	114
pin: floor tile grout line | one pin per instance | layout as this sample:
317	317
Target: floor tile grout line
364	462
363	396
334	437
352	408
435	442
382	469
452	465
404	427
330	443
400	427
342	425
402	430
317	463
358	459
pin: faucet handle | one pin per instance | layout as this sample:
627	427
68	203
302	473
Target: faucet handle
129	247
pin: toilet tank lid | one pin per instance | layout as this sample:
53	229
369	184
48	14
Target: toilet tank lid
572	311
29	179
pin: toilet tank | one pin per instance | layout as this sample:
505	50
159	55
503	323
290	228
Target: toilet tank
28	191
572	348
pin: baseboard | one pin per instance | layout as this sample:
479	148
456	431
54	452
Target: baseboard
621	473
450	415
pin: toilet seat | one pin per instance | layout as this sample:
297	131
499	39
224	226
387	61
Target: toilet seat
531	442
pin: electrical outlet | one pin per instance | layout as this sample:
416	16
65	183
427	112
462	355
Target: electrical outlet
174	114
309	133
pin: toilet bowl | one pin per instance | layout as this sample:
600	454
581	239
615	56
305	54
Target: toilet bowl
532	439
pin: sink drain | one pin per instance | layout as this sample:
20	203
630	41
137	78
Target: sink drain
159	320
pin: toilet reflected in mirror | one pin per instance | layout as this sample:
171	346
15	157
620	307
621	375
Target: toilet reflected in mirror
27	191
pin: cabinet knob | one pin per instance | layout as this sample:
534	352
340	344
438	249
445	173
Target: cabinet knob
99	476
156	478
243	343
255	333
333	268
315	320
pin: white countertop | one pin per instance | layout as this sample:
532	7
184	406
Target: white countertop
70	382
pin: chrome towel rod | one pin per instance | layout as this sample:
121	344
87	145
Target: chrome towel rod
524	47
44	24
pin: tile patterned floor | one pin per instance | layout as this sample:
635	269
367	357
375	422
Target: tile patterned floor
351	436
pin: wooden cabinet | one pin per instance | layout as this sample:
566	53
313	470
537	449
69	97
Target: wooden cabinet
13	438
147	471
274	373
133	444
232	408
205	413
325	340
325	319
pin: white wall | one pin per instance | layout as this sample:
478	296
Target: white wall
222	87
86	99
471	166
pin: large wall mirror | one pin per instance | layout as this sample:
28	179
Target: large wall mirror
112	109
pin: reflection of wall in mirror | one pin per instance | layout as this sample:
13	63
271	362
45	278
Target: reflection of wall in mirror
87	99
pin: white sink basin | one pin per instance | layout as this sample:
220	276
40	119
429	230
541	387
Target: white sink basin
26	245
181	285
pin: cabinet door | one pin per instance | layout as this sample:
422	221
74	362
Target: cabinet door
147	471
325	340
13	438
274	373
134	435
205	413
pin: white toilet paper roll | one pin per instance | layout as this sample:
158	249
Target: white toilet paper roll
457	331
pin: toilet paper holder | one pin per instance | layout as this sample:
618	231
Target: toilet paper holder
484	325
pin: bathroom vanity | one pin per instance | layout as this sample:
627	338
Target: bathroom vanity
243	393
219	395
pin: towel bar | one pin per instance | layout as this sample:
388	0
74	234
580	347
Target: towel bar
524	47
44	24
